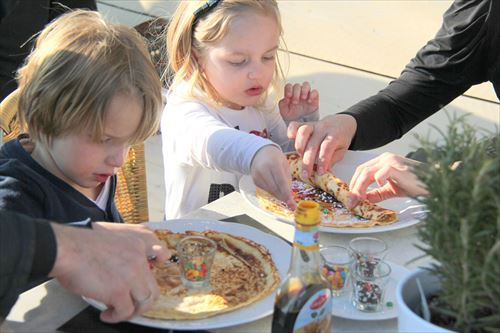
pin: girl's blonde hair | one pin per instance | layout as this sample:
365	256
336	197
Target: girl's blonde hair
184	39
79	63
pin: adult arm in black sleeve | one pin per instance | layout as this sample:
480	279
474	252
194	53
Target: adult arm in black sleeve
31	249
461	55
5	7
27	253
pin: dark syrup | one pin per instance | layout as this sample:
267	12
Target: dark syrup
287	307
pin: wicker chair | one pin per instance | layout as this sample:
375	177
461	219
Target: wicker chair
131	193
154	33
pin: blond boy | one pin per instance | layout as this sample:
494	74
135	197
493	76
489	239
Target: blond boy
87	92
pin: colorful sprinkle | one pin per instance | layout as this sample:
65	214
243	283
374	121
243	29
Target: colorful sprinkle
336	275
195	271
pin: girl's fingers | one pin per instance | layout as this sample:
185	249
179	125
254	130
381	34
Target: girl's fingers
313	97
304	91
288	91
296	93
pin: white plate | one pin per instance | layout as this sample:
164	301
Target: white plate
342	305
409	211
279	250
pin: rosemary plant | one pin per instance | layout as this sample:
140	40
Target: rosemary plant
462	228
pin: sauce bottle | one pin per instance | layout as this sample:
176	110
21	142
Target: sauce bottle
304	301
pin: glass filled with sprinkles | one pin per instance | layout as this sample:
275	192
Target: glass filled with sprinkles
337	263
369	288
196	255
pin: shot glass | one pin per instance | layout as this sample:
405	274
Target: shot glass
369	289
368	252
196	255
337	262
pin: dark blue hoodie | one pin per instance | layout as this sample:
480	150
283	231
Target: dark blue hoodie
26	187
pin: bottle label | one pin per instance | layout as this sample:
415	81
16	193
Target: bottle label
306	240
316	314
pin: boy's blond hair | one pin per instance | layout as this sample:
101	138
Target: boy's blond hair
184	40
80	62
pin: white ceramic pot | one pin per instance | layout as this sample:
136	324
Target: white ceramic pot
408	298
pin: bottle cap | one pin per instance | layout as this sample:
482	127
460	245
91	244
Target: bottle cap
307	213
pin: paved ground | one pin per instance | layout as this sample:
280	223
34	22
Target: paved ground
347	49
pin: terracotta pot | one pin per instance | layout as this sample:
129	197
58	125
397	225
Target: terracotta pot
408	299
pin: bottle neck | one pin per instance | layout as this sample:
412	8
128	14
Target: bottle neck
305	256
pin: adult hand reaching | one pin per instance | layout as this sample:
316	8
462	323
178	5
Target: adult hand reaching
393	175
107	266
270	171
324	141
154	246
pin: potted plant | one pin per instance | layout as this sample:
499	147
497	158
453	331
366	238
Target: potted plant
461	233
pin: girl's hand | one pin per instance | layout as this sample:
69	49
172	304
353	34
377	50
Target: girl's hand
298	101
270	171
393	175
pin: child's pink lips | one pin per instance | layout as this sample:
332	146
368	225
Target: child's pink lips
102	177
254	91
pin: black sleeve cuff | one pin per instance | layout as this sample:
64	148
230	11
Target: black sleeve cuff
354	144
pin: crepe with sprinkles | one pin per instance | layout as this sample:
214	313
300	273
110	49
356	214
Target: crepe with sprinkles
332	194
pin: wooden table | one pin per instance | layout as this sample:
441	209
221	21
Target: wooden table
48	306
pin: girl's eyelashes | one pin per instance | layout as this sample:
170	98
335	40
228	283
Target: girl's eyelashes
238	63
244	61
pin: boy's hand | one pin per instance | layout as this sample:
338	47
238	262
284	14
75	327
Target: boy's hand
298	101
270	171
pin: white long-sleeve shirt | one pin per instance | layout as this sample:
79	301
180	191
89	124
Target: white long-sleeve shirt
206	150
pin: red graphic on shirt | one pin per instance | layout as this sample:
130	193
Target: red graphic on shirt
262	134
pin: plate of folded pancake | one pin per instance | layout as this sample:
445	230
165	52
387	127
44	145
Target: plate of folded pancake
331	192
248	267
